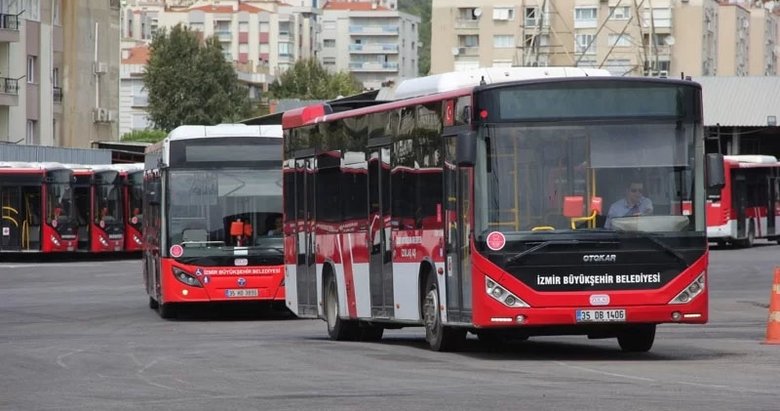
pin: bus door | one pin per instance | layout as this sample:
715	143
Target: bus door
739	198
457	198
306	268
82	197
380	233
12	220
771	207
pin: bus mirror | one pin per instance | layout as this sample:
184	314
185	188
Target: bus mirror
715	172
466	149
153	195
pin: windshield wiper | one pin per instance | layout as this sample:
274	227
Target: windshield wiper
544	244
668	249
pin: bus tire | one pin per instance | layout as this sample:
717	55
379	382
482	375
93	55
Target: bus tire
748	241
166	310
637	338
153	303
338	328
438	336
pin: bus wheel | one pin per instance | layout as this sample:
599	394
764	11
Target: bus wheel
166	311
153	303
750	239
338	329
638	338
439	336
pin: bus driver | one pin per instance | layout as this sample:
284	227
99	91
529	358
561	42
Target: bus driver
634	204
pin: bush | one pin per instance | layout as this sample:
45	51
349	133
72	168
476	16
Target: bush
144	136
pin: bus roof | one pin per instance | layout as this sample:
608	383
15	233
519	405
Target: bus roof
225	130
47	165
439	83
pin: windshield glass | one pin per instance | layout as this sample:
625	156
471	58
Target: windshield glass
135	193
622	177
59	203
108	205
216	210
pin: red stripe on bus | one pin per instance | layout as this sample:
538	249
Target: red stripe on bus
349	281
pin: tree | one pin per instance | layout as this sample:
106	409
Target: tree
190	82
307	79
421	8
144	136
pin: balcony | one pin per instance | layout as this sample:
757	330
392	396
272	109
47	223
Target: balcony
387	30
56	95
9	28
9	91
468	51
366	66
466	24
382	48
224	36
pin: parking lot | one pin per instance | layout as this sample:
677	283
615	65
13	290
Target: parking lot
79	335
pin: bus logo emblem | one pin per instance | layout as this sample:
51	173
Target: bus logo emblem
241	282
496	240
599	299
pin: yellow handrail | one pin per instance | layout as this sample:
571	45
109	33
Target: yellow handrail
591	220
11	219
11	209
543	228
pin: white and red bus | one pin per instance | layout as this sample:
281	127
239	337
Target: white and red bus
97	195
748	205
212	216
37	208
132	178
473	203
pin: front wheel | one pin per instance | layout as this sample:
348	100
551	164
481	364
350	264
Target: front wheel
639	338
338	329
439	336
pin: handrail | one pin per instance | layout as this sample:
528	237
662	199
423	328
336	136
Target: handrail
590	219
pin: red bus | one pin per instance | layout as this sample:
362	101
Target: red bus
748	205
99	210
37	212
481	208
132	178
212	216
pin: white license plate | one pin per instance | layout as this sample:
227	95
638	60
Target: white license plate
601	316
244	292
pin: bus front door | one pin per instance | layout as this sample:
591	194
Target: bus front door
306	269
11	201
740	203
380	234
457	207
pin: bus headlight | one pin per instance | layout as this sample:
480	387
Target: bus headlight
137	240
55	241
103	241
690	292
502	295
186	277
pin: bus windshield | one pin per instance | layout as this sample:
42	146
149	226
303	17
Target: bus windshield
60	211
218	211
108	203
619	176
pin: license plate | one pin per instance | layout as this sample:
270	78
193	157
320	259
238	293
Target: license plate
601	316
244	292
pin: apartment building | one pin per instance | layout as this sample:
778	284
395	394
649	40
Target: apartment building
662	37
733	40
763	42
59	64
376	43
133	98
263	37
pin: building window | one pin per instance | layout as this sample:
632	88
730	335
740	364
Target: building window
585	17
55	13
196	27
471	40
531	16
620	40
285	49
582	41
620	13
503	41
329	25
503	13
243	27
264	27
55	77
467	14
32	9
329	43
32	63
32	135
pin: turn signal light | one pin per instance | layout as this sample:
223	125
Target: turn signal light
503	296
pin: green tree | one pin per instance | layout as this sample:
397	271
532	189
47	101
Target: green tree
190	82
307	79
144	136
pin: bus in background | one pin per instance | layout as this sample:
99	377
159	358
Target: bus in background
37	212
748	205
488	208
212	216
132	178
97	196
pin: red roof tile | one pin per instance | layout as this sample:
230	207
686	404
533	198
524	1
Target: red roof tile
354	6
138	55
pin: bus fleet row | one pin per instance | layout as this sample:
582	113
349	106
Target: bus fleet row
50	207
